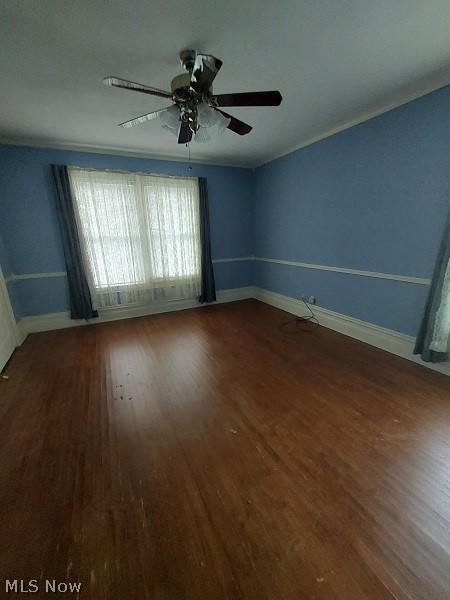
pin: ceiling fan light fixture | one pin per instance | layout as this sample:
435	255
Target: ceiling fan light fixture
208	134
207	116
170	118
222	122
196	112
204	135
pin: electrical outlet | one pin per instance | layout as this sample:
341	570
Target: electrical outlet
308	299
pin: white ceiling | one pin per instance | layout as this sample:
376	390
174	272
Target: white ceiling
334	61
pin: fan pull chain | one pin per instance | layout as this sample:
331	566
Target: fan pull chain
188	146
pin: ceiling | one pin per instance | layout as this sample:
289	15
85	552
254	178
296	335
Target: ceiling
334	61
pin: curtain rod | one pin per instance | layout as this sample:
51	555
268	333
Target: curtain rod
124	172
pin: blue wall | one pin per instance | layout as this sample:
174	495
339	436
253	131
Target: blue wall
30	232
4	259
373	197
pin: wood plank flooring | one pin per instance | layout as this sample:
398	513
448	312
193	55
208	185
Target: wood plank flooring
223	453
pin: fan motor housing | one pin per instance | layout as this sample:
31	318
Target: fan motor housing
187	59
180	82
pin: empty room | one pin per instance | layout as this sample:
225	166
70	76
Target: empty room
225	300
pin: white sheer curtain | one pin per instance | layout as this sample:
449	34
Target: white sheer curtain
140	235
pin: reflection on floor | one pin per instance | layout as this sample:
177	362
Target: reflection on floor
218	454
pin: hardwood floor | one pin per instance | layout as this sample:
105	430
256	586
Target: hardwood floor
219	454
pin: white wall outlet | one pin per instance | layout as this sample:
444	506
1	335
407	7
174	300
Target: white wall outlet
308	299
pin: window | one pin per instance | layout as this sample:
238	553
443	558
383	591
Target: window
140	235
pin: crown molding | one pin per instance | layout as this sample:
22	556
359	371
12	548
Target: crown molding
119	151
113	151
357	121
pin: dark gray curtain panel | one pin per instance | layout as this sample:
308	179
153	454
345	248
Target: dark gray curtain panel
438	294
79	293
208	293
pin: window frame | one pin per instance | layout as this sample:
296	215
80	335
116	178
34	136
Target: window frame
145	234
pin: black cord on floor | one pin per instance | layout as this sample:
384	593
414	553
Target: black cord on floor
311	318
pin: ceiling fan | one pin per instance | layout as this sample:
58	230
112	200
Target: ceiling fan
196	111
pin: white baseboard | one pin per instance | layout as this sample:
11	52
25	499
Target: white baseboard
386	339
375	335
21	332
62	320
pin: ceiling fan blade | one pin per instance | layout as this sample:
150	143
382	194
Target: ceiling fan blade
143	118
135	87
205	69
236	125
272	98
185	134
